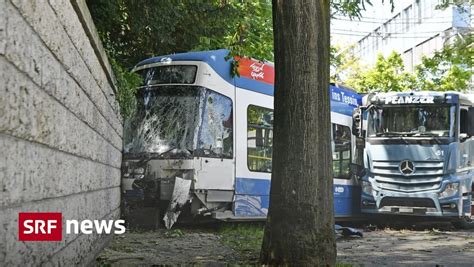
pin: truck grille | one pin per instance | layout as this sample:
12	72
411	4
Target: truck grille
407	202
427	176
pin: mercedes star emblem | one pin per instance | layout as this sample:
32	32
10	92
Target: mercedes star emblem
407	167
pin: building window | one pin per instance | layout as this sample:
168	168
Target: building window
407	57
418	11
341	151
407	19
259	138
398	23
427	10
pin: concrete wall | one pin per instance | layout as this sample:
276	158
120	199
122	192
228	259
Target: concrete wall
60	129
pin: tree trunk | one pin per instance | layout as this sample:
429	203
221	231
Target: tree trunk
300	224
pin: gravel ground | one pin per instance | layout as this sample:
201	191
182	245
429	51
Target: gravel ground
409	247
427	245
160	248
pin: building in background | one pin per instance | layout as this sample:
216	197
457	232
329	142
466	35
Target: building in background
418	29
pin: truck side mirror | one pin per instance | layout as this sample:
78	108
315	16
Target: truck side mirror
357	122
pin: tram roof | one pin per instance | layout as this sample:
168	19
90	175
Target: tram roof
255	75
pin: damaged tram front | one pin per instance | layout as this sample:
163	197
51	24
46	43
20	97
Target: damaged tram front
179	139
200	140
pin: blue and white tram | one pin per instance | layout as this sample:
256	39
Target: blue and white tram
201	139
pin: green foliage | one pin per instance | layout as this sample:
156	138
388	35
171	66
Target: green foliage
127	83
253	35
173	233
246	239
137	29
132	30
443	4
388	74
344	64
353	8
449	69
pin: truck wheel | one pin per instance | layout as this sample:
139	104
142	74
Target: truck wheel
465	223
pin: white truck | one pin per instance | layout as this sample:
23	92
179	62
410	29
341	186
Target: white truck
417	154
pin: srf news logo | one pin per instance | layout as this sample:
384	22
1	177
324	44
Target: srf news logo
48	226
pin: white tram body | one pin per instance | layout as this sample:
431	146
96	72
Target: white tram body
201	139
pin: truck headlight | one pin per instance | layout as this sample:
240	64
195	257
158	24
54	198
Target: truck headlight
449	191
367	187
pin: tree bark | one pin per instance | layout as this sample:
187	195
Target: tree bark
300	224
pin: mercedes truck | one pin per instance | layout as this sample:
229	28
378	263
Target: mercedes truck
415	154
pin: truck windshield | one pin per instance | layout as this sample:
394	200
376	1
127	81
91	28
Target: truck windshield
179	121
434	121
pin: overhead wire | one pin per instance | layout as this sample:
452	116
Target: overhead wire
382	32
404	21
394	16
390	27
389	36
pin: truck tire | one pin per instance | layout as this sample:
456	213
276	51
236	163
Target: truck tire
465	223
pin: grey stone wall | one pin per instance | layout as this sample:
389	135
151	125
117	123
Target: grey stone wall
60	128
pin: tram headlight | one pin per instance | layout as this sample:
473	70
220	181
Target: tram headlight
449	191
367	187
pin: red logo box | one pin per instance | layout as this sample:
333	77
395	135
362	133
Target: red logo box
40	226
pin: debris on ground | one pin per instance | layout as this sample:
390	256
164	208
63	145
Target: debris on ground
347	231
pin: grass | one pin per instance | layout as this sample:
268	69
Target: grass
245	239
172	233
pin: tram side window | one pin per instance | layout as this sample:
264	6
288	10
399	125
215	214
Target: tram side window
259	138
464	120
341	151
216	131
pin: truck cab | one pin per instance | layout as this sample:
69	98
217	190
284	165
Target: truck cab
416	154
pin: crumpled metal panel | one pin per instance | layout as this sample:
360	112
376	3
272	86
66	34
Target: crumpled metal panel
178	200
